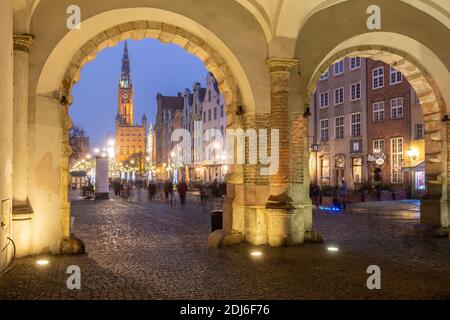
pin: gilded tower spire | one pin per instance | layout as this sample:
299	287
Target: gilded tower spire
125	77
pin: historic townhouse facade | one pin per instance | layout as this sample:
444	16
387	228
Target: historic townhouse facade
203	112
395	130
338	130
367	118
168	117
214	132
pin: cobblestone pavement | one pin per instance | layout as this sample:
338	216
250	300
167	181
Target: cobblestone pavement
142	250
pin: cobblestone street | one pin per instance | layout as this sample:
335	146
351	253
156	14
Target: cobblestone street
143	250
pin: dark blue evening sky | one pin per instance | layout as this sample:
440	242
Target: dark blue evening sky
155	67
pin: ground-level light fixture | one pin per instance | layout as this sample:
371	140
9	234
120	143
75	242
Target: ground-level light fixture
256	253
42	262
332	248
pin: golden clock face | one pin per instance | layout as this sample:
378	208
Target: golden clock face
125	96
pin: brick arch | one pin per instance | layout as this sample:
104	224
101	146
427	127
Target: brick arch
433	108
138	30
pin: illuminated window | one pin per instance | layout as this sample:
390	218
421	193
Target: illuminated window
396	160
357	170
419	180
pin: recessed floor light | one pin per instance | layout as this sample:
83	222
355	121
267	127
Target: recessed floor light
256	253
332	248
42	262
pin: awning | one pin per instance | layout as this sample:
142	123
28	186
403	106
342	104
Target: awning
414	165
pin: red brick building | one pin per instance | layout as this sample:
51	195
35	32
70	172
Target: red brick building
394	125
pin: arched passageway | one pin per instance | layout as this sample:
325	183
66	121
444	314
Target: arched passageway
266	60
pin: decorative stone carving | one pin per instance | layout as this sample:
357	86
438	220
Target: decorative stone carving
23	42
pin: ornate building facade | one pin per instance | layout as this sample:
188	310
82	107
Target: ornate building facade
130	138
168	117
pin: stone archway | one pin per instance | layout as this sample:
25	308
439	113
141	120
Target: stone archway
166	33
434	208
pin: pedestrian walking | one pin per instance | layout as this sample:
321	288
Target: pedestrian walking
151	188
167	187
182	190
343	194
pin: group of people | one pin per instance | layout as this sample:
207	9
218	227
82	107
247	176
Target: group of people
168	188
122	188
340	195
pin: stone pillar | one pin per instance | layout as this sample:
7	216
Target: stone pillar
434	204
22	211
66	150
22	45
288	207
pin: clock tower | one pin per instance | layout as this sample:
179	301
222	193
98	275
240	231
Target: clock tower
125	111
131	138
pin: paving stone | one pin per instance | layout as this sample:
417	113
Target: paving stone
151	250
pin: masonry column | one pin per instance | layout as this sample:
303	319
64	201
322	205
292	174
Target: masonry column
22	211
22	45
285	221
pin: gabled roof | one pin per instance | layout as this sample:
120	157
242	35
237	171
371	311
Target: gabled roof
202	94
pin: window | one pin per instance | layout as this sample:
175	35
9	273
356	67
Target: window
339	68
355	63
397	108
325	169
222	112
324	99
378	146
338	96
209	95
339	127
396	76
215	113
355	90
357	170
396	160
356	124
324	130
378	111
418	131
209	115
204	116
324	76
419	180
356	146
378	78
